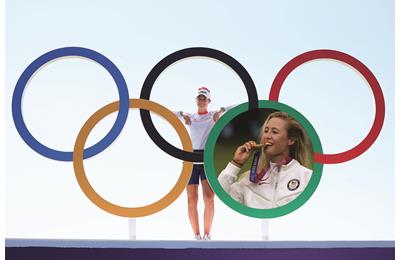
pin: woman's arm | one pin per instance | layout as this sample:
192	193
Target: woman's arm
228	176
221	110
227	179
184	116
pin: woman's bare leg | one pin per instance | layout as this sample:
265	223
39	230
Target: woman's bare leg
208	197
192	195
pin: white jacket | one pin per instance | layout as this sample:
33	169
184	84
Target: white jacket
280	188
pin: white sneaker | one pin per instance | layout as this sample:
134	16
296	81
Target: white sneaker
207	237
197	237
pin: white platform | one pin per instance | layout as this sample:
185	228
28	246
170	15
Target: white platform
179	244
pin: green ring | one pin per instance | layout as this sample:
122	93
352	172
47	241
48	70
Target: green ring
225	197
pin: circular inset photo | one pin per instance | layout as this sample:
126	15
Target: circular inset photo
260	163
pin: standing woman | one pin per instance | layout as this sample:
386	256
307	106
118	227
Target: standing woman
200	125
283	168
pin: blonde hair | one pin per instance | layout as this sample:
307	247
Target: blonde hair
301	149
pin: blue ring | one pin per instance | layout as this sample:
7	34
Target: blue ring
54	54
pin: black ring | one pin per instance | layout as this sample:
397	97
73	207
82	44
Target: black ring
167	61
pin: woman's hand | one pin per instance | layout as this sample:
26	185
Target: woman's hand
217	115
243	153
187	119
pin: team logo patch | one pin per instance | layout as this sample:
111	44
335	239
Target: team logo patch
293	184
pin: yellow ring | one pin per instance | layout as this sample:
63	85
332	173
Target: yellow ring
131	211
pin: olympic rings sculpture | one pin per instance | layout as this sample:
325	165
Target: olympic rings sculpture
145	105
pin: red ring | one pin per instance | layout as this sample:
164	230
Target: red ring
365	144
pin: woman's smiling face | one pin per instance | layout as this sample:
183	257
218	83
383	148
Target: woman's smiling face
202	102
275	136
